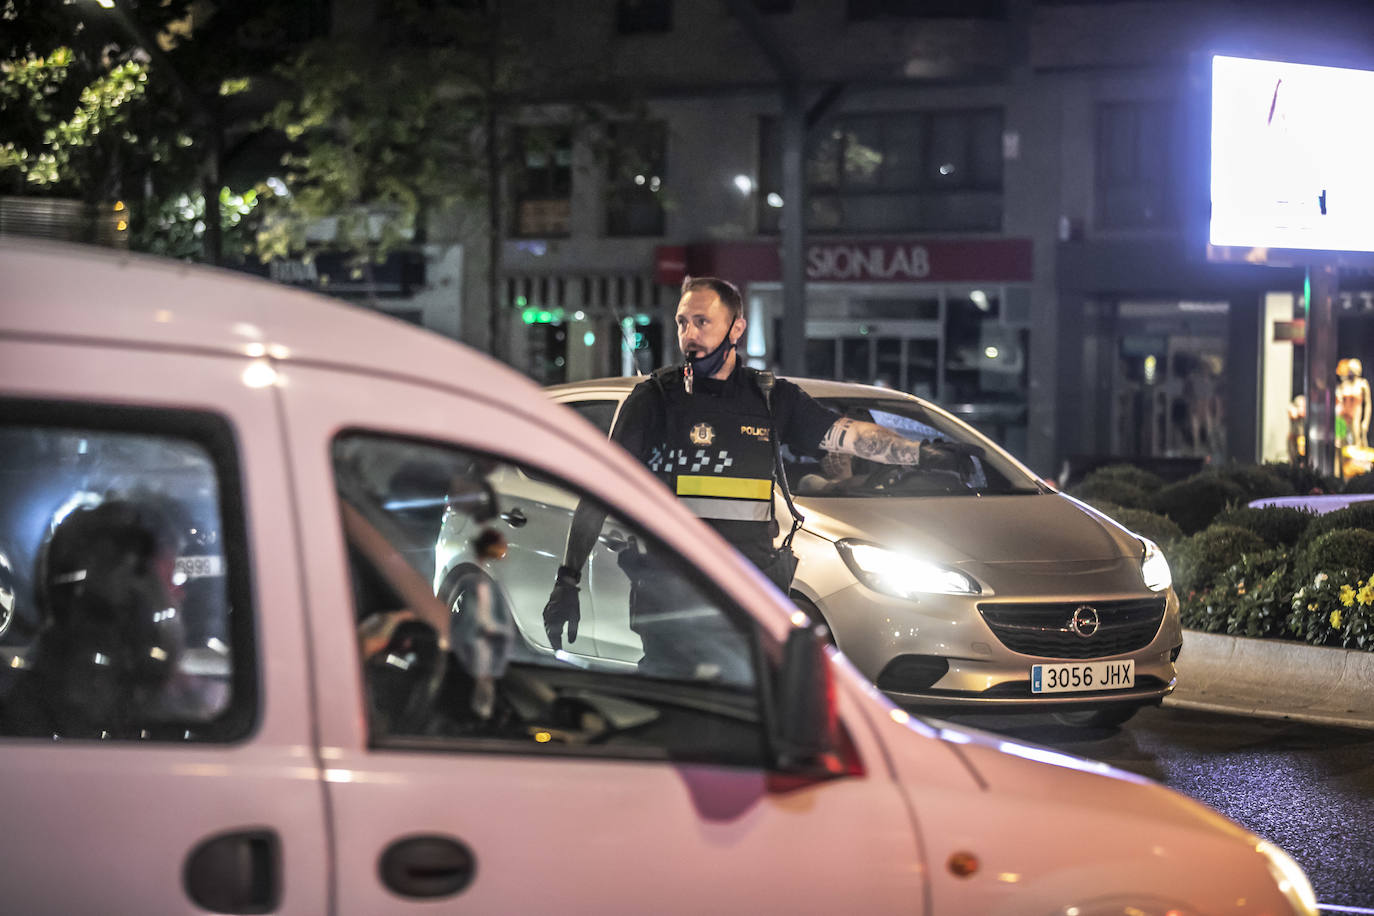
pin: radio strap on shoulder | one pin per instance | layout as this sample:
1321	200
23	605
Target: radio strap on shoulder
660	376
765	380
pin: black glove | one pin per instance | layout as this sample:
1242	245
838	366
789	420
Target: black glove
635	563
943	455
562	608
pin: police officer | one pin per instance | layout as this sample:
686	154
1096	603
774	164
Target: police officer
705	427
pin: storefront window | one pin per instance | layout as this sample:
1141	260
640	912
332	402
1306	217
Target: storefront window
951	345
1171	362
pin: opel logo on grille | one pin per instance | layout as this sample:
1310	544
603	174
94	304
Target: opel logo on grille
1084	621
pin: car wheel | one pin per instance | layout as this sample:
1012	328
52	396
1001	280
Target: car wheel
810	610
1109	717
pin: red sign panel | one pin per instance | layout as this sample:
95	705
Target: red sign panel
872	261
670	264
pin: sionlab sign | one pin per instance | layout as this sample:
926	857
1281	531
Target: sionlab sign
893	260
867	262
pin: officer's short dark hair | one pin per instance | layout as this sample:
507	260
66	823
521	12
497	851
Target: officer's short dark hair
727	291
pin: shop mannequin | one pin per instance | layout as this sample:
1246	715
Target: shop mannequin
1203	395
1353	403
1297	435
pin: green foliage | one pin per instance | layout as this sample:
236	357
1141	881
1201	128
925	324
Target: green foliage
392	125
1193	503
1280	526
67	139
105	103
1148	524
388	125
1195	561
1357	515
1360	483
1127	473
1251	597
1103	491
1273	572
1255	481
175	227
1304	480
1337	551
1335	609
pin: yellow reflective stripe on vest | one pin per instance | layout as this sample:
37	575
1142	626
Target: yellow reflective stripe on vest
724	487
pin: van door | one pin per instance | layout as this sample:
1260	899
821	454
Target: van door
155	737
498	780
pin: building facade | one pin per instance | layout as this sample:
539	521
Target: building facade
997	207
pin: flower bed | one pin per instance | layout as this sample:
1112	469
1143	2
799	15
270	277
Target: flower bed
1270	572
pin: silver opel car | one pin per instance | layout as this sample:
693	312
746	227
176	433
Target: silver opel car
984	589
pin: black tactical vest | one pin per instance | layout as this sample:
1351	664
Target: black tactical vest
717	453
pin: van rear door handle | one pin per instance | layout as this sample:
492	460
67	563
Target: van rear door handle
427	866
235	872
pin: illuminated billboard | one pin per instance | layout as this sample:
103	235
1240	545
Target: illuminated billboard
1292	158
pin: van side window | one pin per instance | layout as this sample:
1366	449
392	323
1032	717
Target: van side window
657	664
122	612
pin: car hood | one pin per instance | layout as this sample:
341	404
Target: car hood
1014	529
1049	831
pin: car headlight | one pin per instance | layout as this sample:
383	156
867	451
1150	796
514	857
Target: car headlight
895	573
1154	569
1289	877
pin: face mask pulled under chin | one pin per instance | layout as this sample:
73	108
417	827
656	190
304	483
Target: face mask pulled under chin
708	365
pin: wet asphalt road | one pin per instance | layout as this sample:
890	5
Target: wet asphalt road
1308	788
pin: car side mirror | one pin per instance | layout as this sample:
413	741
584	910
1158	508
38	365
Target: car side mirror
808	739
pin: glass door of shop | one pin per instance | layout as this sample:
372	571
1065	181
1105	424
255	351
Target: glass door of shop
1171	363
954	344
901	355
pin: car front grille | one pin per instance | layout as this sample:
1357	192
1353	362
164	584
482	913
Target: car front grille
1043	630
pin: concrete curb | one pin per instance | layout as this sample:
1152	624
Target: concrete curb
1275	678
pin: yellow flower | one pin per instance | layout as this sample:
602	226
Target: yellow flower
1366	594
1312	606
1347	596
1336	619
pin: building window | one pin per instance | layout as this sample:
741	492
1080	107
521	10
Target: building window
894	172
543	181
637	162
637	17
1136	150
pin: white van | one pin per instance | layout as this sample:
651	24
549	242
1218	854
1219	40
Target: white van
229	687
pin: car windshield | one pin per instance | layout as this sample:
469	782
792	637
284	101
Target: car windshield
985	472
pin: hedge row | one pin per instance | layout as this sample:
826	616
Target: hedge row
1268	572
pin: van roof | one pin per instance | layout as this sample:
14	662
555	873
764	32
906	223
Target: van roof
68	292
